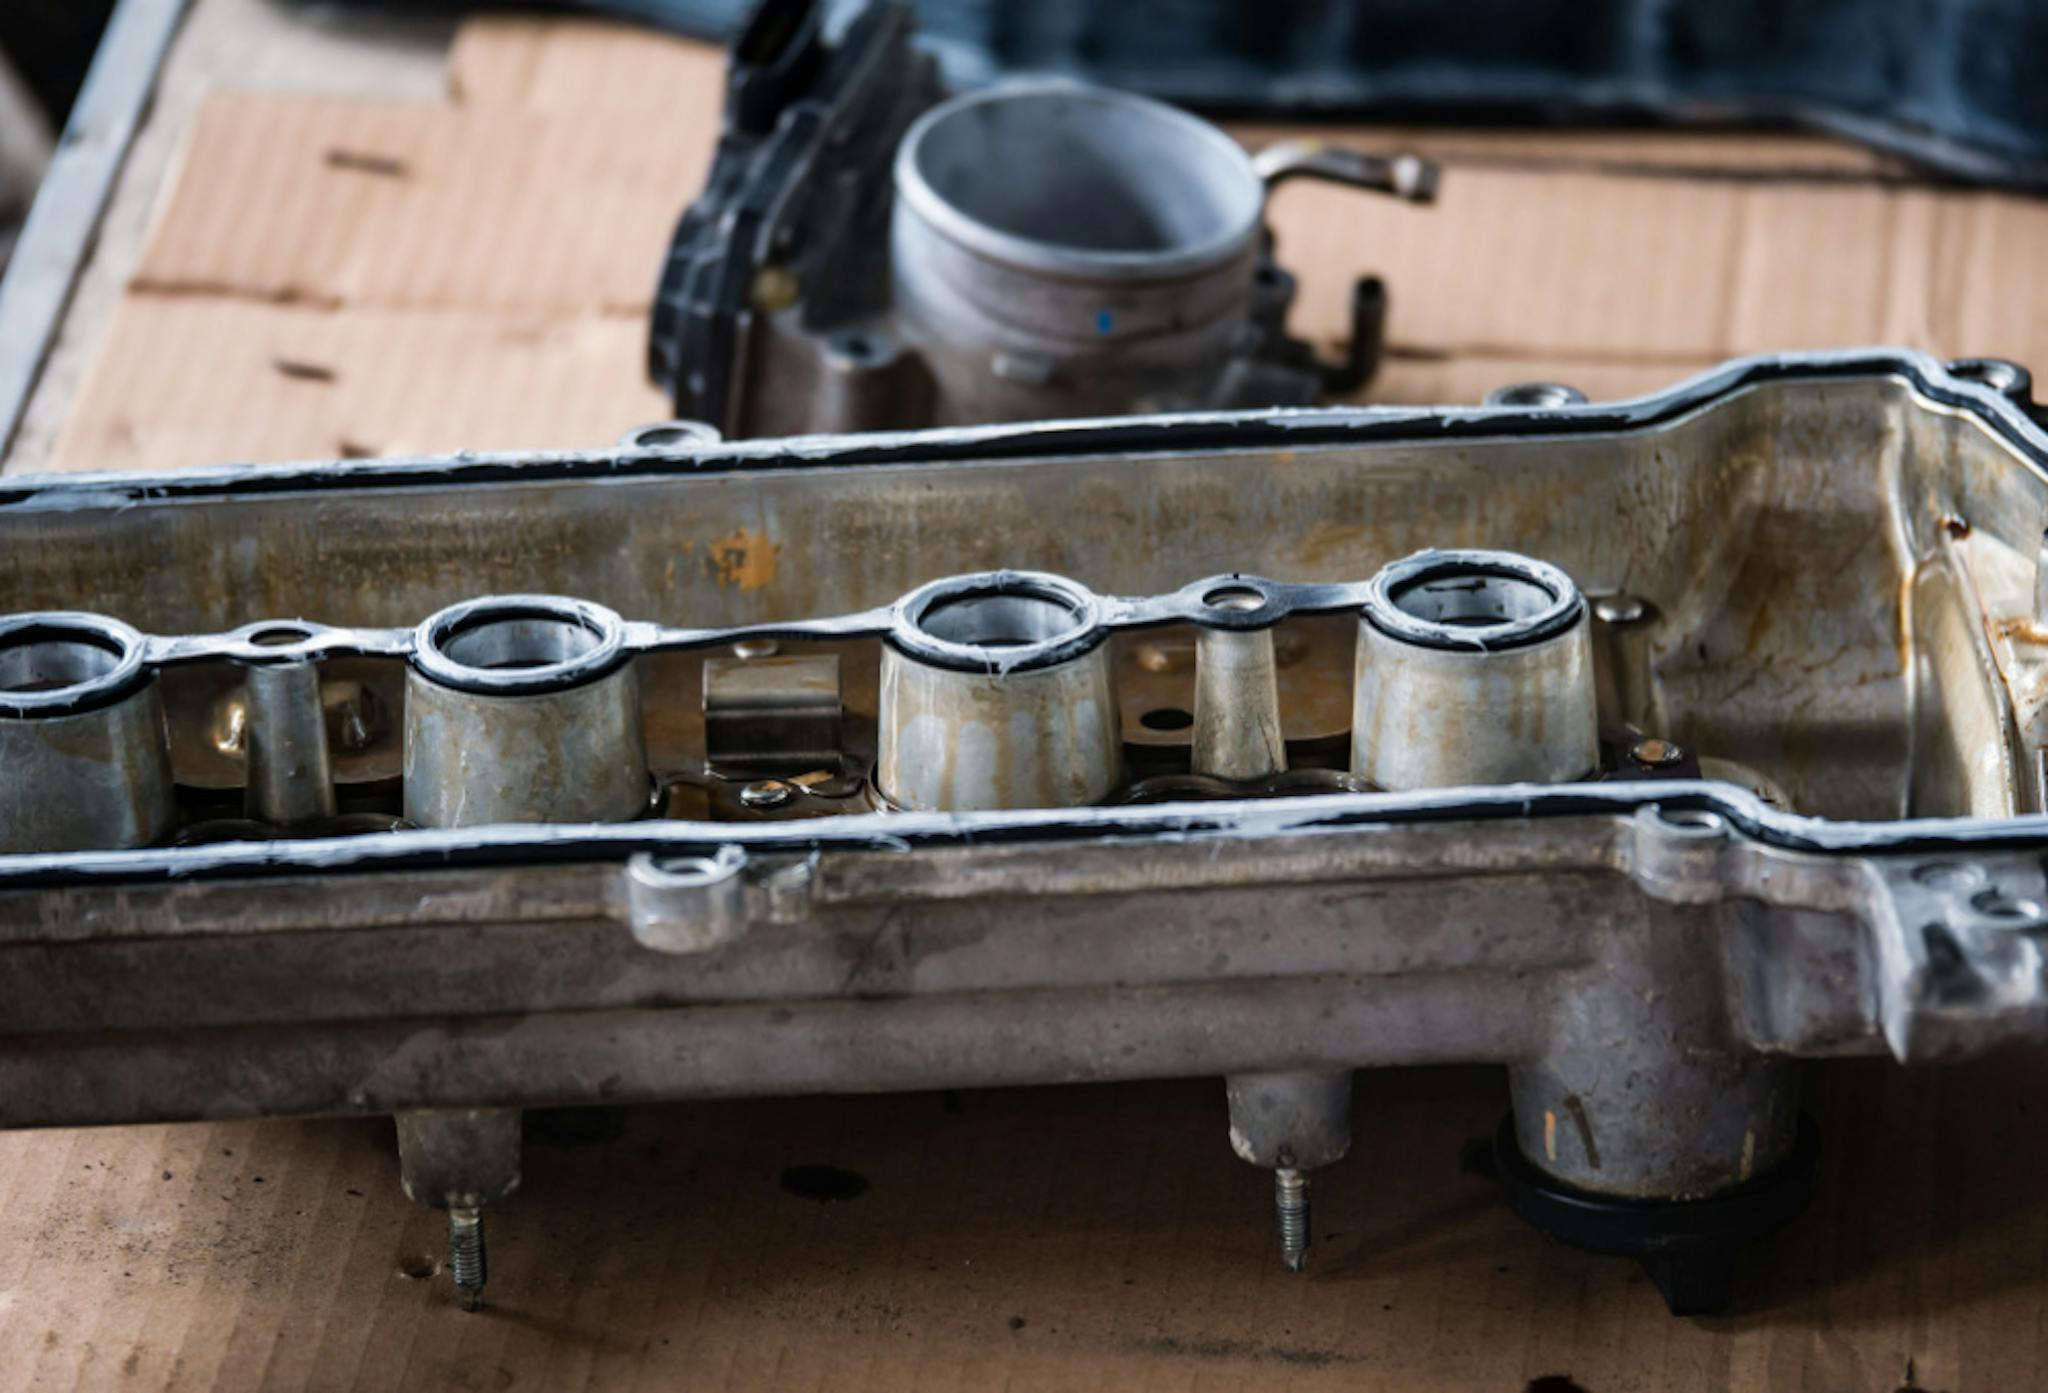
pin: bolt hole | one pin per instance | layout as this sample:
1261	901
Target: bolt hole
417	1267
1995	373
1949	875
693	866
1239	599
1695	822
665	435
1994	903
1166	718
1535	395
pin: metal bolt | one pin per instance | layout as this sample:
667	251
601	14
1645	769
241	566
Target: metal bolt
1656	754
355	718
756	648
1290	1207
1619	609
774	288
1540	396
466	1255
1160	657
765	794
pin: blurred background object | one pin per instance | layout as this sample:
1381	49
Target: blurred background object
44	52
1948	86
25	143
868	256
50	44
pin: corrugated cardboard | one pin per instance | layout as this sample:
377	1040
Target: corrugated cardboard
545	189
393	206
1097	1238
219	377
330	277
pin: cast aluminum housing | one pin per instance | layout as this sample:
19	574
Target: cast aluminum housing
867	256
1828	563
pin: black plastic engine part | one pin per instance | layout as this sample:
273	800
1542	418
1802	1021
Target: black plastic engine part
803	119
1687	1247
1949	87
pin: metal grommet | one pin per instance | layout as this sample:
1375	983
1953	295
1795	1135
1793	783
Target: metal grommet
518	645
997	621
1483	601
60	662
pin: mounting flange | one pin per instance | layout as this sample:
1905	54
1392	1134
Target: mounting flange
1688	1247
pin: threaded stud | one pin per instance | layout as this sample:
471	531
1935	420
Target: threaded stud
466	1255
1290	1208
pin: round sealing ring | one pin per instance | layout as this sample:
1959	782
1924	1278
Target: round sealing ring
61	662
997	621
519	645
1483	601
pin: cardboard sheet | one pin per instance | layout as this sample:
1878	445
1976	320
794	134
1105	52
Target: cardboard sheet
489	260
1029	1239
333	276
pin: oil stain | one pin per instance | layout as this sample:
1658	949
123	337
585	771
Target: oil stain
825	1184
1243	1349
573	1127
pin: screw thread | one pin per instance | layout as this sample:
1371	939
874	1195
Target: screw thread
1290	1207
466	1255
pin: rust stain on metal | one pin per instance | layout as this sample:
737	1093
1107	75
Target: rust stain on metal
1334	543
2019	627
746	559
